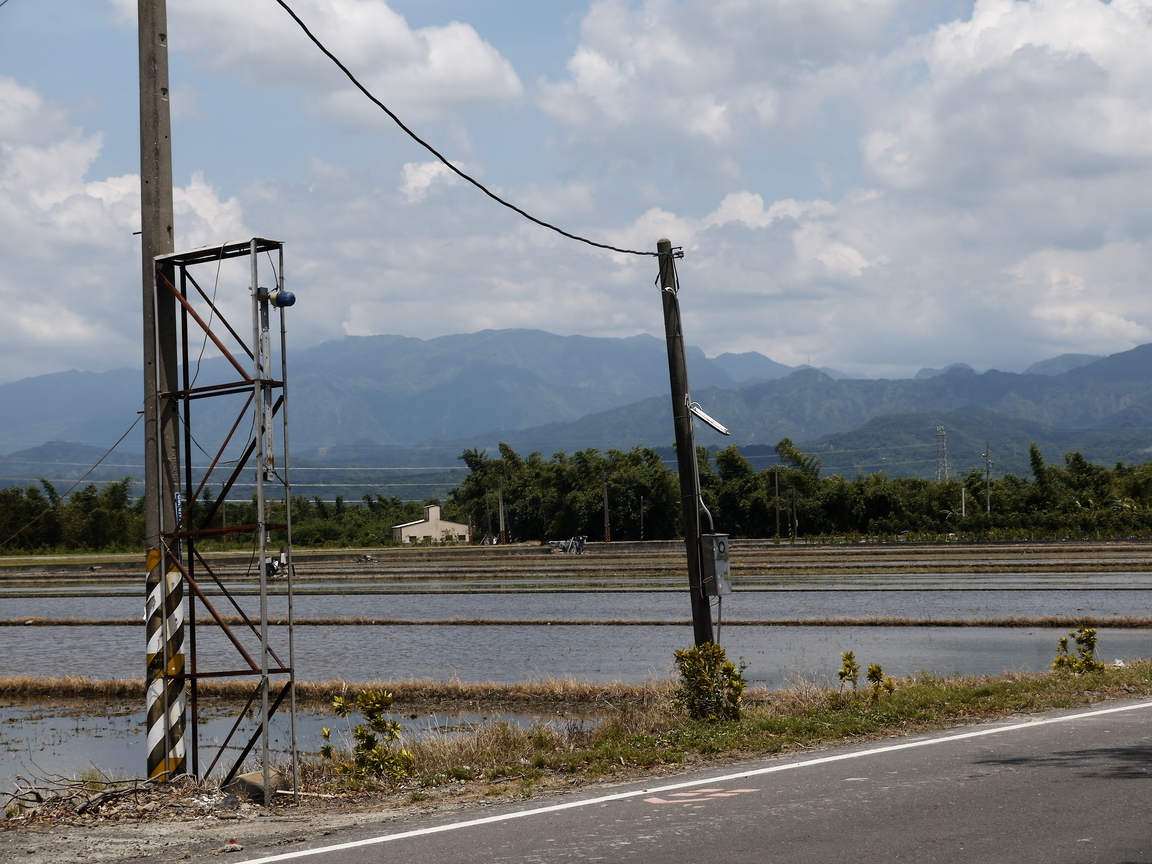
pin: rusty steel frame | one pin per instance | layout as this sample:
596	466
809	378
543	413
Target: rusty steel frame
266	401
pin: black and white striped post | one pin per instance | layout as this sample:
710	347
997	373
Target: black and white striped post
165	698
165	608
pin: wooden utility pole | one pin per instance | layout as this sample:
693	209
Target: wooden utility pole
164	587
685	442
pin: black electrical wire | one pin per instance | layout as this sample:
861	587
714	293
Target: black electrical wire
434	152
82	479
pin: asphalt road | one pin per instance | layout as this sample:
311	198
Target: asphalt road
1060	787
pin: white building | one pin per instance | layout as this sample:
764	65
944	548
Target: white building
432	527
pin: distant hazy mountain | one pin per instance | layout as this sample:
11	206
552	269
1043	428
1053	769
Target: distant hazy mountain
87	407
1063	363
393	400
387	390
64	464
928	372
1104	407
751	366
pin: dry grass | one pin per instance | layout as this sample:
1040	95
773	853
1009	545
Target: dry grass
27	687
559	692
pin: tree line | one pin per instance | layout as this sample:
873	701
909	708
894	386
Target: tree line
564	496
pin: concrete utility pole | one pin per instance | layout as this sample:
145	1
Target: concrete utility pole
164	586
685	442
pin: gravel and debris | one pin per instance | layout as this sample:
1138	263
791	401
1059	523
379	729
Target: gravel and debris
178	821
188	821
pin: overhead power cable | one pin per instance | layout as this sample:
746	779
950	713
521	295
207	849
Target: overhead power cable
435	153
41	515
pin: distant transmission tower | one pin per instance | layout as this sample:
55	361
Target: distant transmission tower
942	471
987	456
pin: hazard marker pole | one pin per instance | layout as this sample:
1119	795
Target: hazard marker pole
164	694
165	629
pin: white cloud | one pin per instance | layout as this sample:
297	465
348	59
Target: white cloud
419	176
813	244
699	77
420	73
1093	298
1023	91
25	118
748	207
202	219
70	286
993	208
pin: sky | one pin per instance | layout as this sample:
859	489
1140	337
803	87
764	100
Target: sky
873	186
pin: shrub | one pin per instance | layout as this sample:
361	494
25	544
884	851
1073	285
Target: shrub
850	670
710	684
371	756
879	681
1085	659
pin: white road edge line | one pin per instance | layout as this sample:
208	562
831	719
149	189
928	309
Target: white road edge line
619	796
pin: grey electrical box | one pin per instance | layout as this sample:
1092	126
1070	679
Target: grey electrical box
716	573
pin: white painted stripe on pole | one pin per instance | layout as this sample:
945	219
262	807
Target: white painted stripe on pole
653	790
155	732
155	641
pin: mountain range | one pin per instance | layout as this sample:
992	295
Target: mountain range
394	400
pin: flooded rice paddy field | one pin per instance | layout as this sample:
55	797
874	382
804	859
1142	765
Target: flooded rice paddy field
510	653
666	605
67	739
604	590
545	594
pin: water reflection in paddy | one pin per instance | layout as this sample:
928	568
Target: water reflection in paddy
597	653
775	656
476	584
648	605
67	739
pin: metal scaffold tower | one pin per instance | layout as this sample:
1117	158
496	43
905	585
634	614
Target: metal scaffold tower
942	469
247	377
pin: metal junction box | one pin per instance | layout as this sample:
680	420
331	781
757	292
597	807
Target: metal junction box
716	573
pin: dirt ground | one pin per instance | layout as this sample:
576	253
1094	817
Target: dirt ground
183	821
